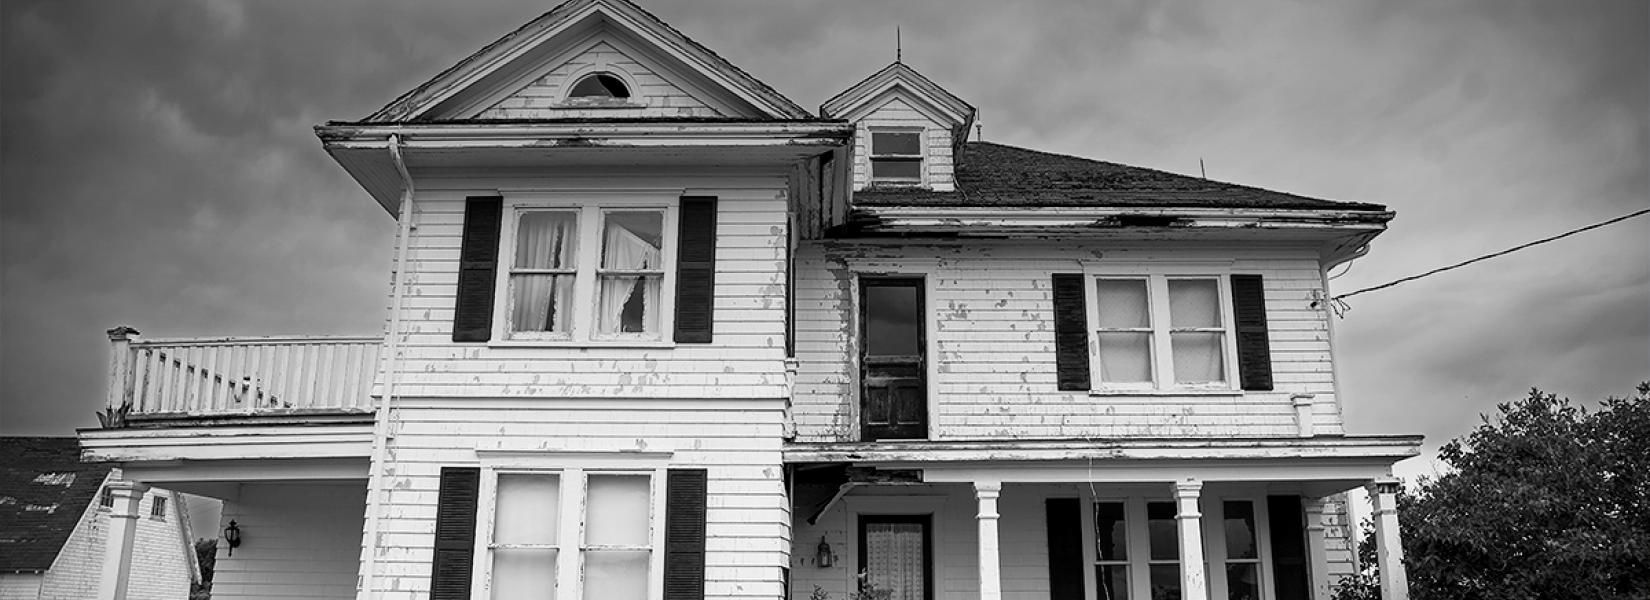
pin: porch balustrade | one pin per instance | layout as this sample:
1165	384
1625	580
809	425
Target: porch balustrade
240	376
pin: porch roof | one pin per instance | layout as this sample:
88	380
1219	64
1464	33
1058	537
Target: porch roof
1388	447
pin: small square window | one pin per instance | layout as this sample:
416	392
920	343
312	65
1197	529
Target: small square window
106	499
157	509
896	156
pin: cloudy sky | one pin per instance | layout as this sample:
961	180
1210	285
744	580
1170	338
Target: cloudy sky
159	170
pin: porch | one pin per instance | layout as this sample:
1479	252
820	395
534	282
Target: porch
1084	520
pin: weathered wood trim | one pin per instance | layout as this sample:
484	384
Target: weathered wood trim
220	443
1393	447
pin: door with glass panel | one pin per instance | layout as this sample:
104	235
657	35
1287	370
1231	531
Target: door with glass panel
896	556
893	393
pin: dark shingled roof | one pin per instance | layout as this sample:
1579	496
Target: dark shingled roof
995	175
44	489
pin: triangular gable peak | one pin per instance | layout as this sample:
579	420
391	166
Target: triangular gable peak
534	72
908	129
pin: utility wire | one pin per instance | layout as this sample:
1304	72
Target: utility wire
1490	256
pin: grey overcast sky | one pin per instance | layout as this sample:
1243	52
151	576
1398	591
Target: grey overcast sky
159	170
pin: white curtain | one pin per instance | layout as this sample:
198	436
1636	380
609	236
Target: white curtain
894	558
626	251
546	241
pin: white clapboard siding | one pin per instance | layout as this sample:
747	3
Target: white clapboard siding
652	95
737	441
897	110
745	359
302	540
993	344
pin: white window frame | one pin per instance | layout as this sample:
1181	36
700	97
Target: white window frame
589	206
921	157
1162	352
573	484
1213	533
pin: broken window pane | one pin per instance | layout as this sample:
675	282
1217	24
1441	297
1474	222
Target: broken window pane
599	85
631	243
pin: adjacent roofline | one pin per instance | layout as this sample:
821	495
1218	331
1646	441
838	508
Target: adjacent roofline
416	102
539	133
1382	447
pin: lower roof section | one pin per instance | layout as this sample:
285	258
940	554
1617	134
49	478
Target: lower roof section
1390	448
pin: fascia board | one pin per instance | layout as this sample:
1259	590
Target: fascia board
924	217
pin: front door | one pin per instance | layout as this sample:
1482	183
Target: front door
893	397
896	557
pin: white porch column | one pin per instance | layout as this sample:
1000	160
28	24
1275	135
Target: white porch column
991	584
117	549
1389	546
1193	584
1317	555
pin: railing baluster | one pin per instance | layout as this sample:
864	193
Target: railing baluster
245	376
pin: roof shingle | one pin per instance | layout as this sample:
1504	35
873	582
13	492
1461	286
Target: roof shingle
994	175
44	488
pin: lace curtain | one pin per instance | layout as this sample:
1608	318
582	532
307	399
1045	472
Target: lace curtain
894	559
628	303
546	241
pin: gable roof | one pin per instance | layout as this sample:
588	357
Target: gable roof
44	490
897	74
1000	176
414	104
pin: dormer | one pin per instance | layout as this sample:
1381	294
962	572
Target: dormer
908	129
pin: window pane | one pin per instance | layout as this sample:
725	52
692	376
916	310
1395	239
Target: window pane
889	142
886	168
631	240
1122	303
1240	529
1125	357
617	511
629	304
615	574
1197	356
540	302
1194	303
528	509
1161	529
1165	582
893	321
1242	582
1113	581
1109	531
520	573
547	240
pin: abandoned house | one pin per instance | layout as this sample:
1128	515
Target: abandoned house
659	332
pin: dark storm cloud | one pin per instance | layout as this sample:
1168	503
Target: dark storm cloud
159	170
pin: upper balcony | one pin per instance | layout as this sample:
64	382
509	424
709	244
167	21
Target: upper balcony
198	409
176	381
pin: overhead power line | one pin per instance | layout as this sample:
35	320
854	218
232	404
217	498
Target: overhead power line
1490	256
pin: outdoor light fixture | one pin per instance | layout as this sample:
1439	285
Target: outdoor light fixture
232	534
823	556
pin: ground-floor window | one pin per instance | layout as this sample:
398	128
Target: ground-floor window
569	534
1134	547
896	556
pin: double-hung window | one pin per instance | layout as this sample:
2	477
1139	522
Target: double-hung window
1162	331
570	534
1134	548
896	156
597	271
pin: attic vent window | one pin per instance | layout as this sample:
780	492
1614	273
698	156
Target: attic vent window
896	157
599	86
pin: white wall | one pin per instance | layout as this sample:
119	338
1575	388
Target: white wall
160	568
993	343
299	540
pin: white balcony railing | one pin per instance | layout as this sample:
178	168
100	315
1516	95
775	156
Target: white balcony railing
189	377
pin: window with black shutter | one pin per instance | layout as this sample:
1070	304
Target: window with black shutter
696	270
1253	346
1161	332
685	499
455	533
477	269
1071	338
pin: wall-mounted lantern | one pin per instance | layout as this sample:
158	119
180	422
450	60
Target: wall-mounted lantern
823	557
232	534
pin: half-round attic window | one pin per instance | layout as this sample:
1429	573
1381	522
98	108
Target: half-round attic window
599	85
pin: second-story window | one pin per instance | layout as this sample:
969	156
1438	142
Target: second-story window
588	273
896	156
1163	332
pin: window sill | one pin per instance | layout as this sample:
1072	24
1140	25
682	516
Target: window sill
590	344
1169	392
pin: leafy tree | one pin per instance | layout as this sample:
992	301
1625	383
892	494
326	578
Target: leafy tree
1546	500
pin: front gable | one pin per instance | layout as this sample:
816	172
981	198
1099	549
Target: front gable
526	74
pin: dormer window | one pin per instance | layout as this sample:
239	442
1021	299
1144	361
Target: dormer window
896	156
599	86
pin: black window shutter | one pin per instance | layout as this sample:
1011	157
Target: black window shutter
1254	350
695	269
1071	332
1065	549
685	534
455	533
477	269
1286	521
